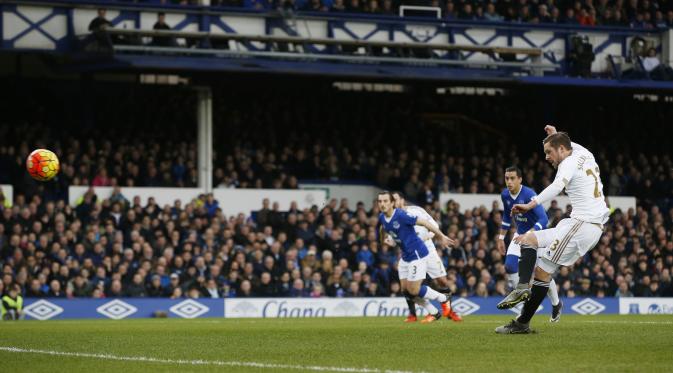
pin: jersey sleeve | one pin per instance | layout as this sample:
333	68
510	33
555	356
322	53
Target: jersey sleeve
579	148
506	214
430	219
563	176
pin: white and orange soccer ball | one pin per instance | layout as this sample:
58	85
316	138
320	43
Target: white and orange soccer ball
42	164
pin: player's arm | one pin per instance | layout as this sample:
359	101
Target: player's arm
429	235
445	240
542	219
563	177
381	234
553	190
383	237
504	226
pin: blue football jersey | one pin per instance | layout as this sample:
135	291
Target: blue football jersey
533	219
401	227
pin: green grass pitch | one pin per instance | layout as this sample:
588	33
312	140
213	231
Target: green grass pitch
577	343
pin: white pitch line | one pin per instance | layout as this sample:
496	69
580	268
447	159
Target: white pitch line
145	359
626	322
587	322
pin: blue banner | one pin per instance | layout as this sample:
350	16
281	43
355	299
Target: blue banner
580	306
122	308
397	307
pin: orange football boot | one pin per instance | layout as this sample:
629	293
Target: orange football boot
430	318
454	316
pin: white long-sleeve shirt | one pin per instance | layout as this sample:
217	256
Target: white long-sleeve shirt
580	176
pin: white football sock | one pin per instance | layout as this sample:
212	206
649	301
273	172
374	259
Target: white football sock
432	310
432	294
553	293
512	280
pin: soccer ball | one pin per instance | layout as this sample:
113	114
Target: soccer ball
42	164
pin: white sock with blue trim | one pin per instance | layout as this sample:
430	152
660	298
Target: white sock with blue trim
427	292
432	310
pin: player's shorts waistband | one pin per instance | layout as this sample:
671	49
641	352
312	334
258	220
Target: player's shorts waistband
599	225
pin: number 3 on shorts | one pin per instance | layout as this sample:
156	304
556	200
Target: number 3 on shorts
413	270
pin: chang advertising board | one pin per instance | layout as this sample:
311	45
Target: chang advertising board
314	307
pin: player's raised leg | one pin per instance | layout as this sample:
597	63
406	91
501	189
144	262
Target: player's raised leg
522	292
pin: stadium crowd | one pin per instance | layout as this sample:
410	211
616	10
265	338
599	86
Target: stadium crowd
116	247
652	14
341	141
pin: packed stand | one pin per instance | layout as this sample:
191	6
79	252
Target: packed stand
119	248
265	141
149	143
422	156
648	14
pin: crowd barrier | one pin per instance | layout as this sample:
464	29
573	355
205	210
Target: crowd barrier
122	308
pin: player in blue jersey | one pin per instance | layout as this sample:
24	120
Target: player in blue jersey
400	226
520	262
435	269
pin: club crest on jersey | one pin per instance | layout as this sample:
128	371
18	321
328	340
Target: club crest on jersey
396	225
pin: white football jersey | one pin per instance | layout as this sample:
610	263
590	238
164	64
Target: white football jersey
420	213
580	174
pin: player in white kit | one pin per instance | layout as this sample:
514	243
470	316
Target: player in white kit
435	268
577	172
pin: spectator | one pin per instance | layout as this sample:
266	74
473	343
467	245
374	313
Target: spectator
154	289
100	23
353	6
623	290
491	15
657	71
98	27
338	6
136	288
163	41
315	6
11	305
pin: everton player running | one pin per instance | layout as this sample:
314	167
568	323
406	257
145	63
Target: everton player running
435	270
519	263
400	225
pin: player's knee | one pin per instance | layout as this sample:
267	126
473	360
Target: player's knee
529	240
511	264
